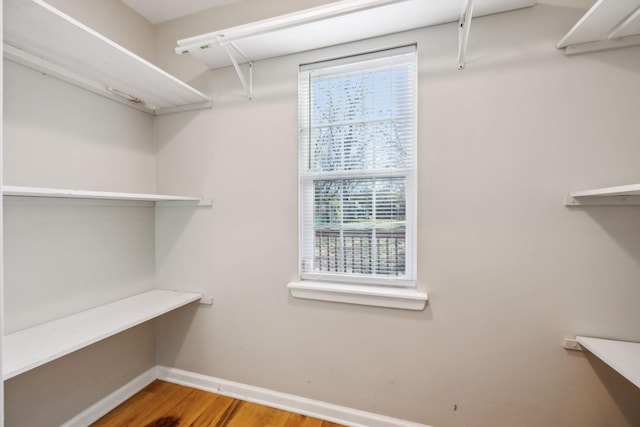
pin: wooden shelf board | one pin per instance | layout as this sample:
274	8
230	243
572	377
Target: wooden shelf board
33	347
623	356
9	190
40	30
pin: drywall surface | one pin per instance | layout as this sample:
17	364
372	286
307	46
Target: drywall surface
63	137
63	256
510	271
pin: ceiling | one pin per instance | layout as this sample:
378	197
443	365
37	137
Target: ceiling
157	11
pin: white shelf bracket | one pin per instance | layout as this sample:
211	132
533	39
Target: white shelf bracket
464	26
206	300
572	344
233	51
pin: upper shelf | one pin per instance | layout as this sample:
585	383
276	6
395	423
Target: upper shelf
608	24
10	190
332	24
42	37
623	356
620	195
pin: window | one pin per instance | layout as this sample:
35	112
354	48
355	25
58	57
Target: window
357	169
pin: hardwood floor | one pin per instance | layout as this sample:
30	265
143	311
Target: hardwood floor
163	404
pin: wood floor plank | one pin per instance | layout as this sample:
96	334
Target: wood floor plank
166	397
121	415
218	412
135	412
312	422
250	414
278	418
191	407
295	420
163	404
127	411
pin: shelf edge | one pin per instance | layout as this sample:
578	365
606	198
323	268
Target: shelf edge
160	199
602	201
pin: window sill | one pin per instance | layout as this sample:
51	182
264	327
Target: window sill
376	296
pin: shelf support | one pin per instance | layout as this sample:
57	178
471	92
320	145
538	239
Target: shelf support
572	344
464	26
233	51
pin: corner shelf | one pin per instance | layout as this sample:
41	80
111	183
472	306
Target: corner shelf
622	356
161	200
620	195
27	349
609	24
43	38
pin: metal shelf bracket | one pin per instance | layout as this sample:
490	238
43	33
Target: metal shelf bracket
234	52
464	26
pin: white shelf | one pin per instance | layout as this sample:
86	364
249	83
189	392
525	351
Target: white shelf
608	24
623	356
33	347
164	200
620	195
42	37
332	24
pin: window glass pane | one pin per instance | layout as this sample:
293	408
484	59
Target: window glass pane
360	226
360	121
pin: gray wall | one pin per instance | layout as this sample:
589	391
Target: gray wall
509	270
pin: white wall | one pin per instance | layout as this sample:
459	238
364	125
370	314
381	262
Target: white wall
64	256
510	271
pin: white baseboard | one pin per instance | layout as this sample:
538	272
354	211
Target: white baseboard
288	402
104	406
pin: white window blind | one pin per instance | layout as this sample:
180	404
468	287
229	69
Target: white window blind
357	168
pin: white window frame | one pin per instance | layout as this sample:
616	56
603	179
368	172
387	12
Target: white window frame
374	290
